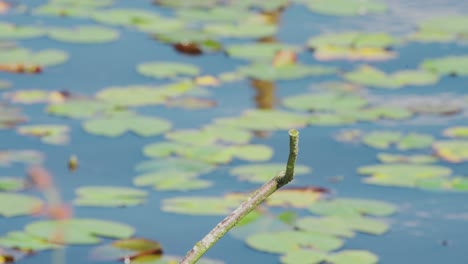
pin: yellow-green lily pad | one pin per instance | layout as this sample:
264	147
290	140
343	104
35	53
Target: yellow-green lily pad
449	65
346	7
167	69
109	196
455	151
83	34
266	72
457	132
263	172
352	207
51	134
12	31
14	204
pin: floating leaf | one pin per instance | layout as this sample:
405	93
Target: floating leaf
80	108
11	184
187	4
191	103
241	30
257	51
18	204
415	159
457	132
308	256
10	117
266	72
401	174
353	39
167	69
373	77
265	120
55	9
125	17
194	205
109	196
273	242
118	125
139	95
127	248
25	242
23	57
51	134
329	52
325	101
83	34
346	7
170	260
175	166
28	157
450	65
78	230
269	6
442	28
37	96
261	173
192	42
350	207
209	135
455	151
383	140
215	14
294	197
172	181
12	31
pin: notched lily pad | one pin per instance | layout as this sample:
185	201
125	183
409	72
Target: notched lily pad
257	51
449	65
107	196
11	184
210	135
51	134
455	151
413	159
384	139
27	157
267	120
167	69
198	205
333	101
83	34
351	207
18	204
295	197
261	173
80	108
266	72
173	181
12	31
37	96
25	242
310	256
457	132
131	248
346	7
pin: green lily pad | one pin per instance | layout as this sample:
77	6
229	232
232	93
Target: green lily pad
273	242
457	132
325	101
401	174
353	39
125	17
330	52
261	173
167	69
443	28
454	151
106	196
211	154
115	126
330	119
413	159
308	256
55	9
27	157
384	139
83	34
21	56
187	4
268	6
170	260
210	135
139	95
294	197
161	26
10	116
127	248
437	184
78	230
351	207
198	205
265	120
215	14
12	31
171	182
35	96
346	7
80	108
14	204
257	51
11	184
25	241
175	166
304	256
51	134
195	39
241	30
259	222
374	113
449	65
373	77
191	103
266	72
325	225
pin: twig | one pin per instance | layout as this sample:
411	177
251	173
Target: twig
246	207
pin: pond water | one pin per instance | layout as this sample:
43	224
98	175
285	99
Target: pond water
429	226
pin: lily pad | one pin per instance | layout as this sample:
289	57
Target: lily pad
455	151
325	101
175	166
140	95
115	126
352	207
210	135
443	28
127	248
373	77
457	132
413	159
78	230
172	181
346	7
384	139
107	196
10	116
267	120
191	103
27	157
36	96
401	174
83	34
125	17
273	242
192	42
198	205
12	31
80	108
257	51
261	173
21	56
18	204
353	39
308	256
329	52
294	197
214	14
56	9
450	65
51	134
186	4
11	184
266	72
242	30
167	69
25	241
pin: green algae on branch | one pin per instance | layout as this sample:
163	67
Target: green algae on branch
246	207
